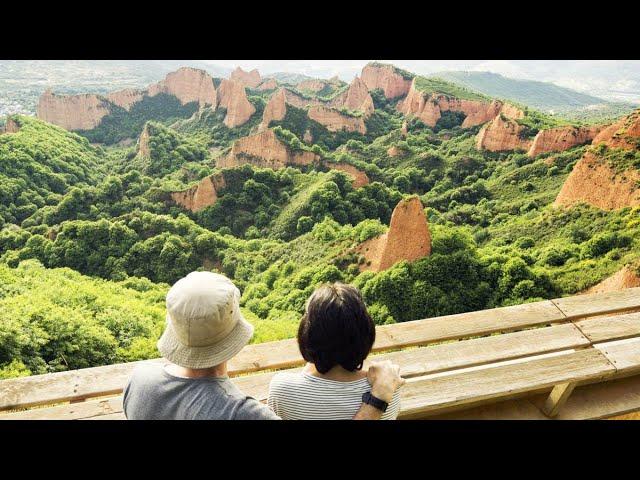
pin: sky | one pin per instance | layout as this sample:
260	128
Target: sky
612	79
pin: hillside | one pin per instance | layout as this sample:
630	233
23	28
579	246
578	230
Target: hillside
543	96
284	188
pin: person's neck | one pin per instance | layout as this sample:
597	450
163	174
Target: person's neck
212	372
337	373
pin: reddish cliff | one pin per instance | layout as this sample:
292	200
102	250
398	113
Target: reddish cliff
408	238
561	138
386	78
73	112
269	84
356	97
595	181
313	85
187	85
126	98
623	278
299	101
360	178
264	149
233	97
275	109
248	79
502	134
202	195
143	142
336	121
10	126
428	107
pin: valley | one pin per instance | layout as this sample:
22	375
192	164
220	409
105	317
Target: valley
432	197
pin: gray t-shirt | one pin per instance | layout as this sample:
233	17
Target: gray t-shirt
154	394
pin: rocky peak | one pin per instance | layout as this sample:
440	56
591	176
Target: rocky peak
502	134
386	78
335	121
268	84
144	149
275	110
187	85
356	97
72	112
265	150
10	126
202	195
126	98
233	97
408	238
561	138
248	79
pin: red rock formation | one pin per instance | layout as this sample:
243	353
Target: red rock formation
360	178
275	110
300	101
404	130
502	134
356	97
623	278
143	142
408	238
268	84
264	149
73	112
11	126
428	107
187	85
313	85
202	195
233	97
594	181
393	151
561	138
386	78
335	121
247	79
126	98
622	134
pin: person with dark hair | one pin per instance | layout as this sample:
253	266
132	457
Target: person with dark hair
335	336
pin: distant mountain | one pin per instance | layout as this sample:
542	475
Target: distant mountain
543	96
22	81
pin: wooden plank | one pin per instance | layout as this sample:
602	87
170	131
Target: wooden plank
557	398
469	324
623	354
599	400
599	303
111	379
419	361
614	327
425	395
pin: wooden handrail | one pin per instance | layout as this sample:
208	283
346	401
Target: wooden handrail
109	380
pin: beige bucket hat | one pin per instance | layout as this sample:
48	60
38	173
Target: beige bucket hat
204	324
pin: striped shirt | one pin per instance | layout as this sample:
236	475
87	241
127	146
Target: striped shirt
301	396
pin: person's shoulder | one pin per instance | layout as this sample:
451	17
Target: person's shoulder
146	372
285	380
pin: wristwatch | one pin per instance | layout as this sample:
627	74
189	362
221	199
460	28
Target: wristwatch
374	402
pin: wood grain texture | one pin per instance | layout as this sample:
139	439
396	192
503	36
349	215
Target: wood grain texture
599	303
422	396
623	354
614	327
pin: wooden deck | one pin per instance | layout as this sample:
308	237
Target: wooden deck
568	358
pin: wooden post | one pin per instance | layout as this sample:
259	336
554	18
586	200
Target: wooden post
557	398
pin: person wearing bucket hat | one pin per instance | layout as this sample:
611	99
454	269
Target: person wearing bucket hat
204	330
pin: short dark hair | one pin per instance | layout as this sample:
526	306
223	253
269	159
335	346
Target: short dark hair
336	328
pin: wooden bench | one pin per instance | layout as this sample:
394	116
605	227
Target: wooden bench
539	360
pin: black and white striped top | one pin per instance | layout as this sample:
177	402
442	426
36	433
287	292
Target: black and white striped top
301	396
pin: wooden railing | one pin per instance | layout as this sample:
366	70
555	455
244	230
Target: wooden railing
572	357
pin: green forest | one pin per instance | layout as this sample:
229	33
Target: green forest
91	239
